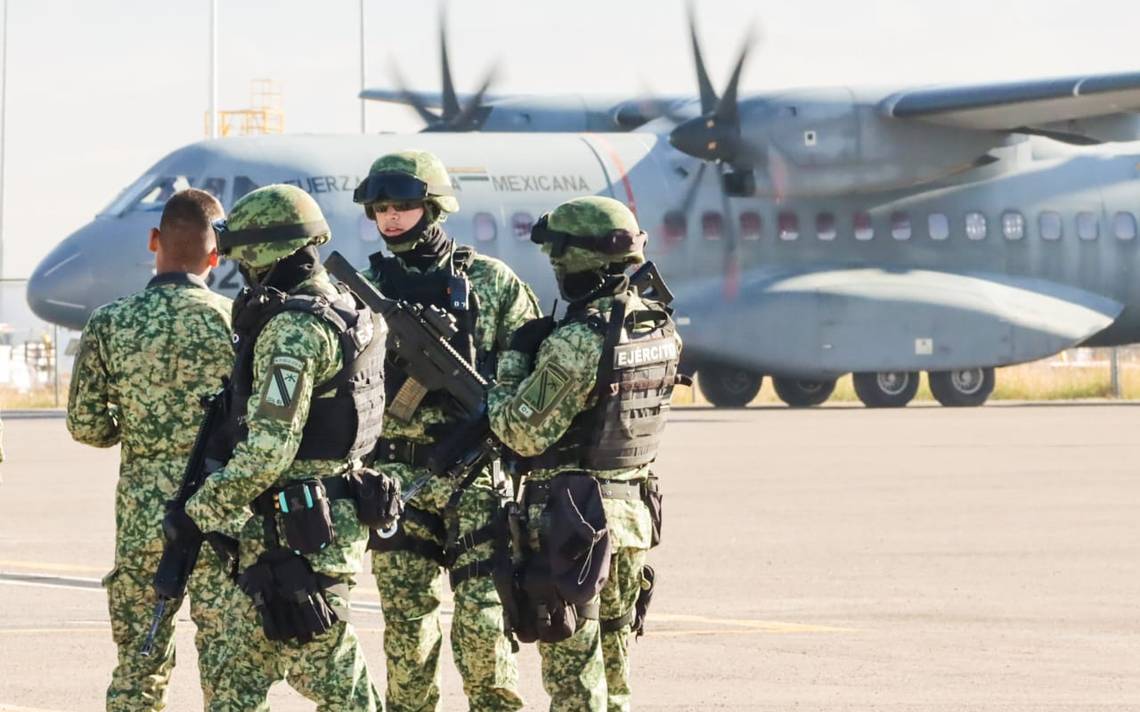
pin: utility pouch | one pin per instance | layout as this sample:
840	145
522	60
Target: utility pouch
547	616
288	596
377	498
648	584
652	497
306	517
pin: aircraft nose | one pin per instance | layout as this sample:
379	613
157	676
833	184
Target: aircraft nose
64	288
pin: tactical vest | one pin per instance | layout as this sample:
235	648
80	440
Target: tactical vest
636	375
343	426
449	289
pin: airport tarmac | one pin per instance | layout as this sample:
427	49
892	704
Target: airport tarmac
827	559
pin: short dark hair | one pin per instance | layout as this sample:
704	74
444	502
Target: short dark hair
186	228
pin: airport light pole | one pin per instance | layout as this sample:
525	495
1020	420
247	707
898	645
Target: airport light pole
213	68
3	117
363	113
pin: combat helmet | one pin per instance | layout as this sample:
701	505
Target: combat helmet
405	176
269	224
589	234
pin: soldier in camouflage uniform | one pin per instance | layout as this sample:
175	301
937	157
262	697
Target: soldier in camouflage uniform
446	525
590	395
144	363
308	356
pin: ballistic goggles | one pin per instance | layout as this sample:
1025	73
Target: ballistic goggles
616	242
395	188
229	239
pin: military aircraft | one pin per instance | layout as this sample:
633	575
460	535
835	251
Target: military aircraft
879	232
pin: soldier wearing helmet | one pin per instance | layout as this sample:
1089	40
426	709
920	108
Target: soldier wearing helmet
447	525
585	401
303	406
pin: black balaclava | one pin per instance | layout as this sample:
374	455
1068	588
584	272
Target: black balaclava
288	272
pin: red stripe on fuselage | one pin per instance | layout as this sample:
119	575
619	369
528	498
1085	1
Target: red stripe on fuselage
616	160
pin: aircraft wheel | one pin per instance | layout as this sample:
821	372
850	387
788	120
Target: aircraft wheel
727	387
966	387
887	389
802	393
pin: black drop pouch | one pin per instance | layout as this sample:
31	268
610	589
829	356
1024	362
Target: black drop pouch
652	498
306	518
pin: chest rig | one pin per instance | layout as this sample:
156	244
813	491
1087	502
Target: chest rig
342	426
636	375
448	289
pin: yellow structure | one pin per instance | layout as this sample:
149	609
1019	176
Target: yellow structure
265	115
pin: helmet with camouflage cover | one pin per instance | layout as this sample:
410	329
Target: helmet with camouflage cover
590	233
387	180
271	223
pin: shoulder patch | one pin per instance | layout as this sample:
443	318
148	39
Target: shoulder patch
282	381
548	386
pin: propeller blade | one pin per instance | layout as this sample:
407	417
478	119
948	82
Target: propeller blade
708	94
450	100
726	109
731	288
429	118
694	186
464	120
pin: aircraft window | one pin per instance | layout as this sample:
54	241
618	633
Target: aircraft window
711	224
1013	225
825	226
1124	226
864	228
485	227
243	185
676	226
975	226
1088	227
900	225
788	226
1050	225
127	196
938	225
214	186
521	223
751	226
154	196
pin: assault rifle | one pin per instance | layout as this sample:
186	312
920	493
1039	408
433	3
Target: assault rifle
179	557
419	342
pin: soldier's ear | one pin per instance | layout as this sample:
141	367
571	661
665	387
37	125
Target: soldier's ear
152	243
212	258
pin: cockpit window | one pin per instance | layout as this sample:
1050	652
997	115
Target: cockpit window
215	187
158	192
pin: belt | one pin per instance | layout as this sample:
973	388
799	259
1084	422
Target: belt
267	503
403	451
630	490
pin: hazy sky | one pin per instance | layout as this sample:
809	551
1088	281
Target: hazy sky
100	89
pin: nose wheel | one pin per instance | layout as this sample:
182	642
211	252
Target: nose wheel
727	387
886	389
963	388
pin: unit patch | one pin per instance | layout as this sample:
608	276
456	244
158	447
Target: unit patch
548	386
283	381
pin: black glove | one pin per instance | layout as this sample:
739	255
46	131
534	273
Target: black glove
288	596
377	498
179	529
528	337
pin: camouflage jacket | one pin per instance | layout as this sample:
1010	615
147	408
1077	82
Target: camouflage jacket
295	342
505	303
529	418
144	363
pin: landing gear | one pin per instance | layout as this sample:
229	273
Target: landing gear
888	389
729	387
801	393
966	387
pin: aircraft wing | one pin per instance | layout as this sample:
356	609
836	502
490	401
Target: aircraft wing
832	321
430	99
1086	109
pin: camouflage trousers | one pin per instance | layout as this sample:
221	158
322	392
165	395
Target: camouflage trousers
590	670
411	588
139	682
329	670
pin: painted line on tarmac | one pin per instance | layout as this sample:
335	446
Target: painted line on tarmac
50	581
753	624
17	708
37	566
